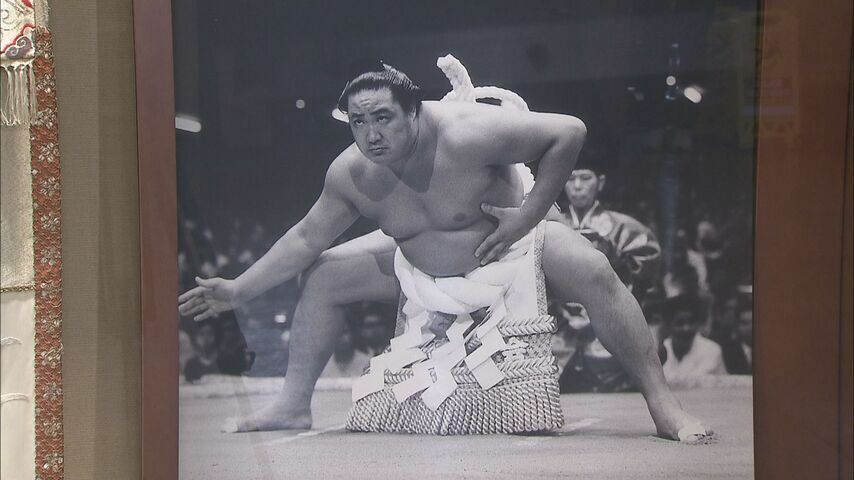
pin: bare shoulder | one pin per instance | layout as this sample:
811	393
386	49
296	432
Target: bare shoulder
460	118
346	167
517	136
465	125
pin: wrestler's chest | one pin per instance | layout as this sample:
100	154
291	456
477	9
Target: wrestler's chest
445	204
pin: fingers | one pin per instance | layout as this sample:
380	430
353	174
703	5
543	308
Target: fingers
486	245
197	309
208	282
195	292
494	253
204	316
184	307
492	210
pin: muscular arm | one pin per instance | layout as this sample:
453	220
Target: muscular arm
328	218
500	136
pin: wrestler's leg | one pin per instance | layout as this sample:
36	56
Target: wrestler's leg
359	270
577	272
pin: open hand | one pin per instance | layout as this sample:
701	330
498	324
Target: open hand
212	297
511	227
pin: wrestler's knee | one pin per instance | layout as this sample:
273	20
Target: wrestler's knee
321	279
572	258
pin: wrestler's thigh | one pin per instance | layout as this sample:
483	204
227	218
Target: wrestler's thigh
361	269
572	266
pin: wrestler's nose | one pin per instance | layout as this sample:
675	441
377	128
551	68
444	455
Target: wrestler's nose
374	136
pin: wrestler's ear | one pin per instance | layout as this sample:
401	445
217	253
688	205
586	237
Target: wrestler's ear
601	182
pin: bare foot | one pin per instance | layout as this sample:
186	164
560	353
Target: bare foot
275	416
674	423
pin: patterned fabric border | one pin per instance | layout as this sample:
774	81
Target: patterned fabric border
44	142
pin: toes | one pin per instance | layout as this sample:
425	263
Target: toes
230	425
693	433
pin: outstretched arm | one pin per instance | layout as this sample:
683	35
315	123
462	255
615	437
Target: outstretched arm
331	214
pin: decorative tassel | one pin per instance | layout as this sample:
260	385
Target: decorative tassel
31	74
17	102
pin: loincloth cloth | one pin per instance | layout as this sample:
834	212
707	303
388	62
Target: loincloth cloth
482	287
473	353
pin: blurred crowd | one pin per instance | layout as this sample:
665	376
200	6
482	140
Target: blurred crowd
693	280
254	338
690	270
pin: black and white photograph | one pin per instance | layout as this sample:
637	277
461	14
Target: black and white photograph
483	239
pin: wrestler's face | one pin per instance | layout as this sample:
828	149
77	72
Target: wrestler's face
384	132
583	187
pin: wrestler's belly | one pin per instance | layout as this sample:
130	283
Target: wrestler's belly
446	253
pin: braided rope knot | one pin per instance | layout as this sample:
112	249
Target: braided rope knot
462	90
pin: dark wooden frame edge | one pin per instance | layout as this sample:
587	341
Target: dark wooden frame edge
158	200
802	393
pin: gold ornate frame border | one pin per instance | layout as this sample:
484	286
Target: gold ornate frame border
47	247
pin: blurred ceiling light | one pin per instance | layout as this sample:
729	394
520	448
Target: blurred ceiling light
693	93
300	104
670	80
187	123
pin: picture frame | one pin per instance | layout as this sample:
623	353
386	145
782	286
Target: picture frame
802	390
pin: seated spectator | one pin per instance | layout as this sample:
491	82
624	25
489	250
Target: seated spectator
591	368
686	271
373	328
737	345
346	360
689	354
633	252
215	351
206	341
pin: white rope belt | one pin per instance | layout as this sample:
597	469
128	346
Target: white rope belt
505	286
458	295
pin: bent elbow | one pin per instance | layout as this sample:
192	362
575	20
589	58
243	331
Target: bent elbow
578	129
570	136
306	240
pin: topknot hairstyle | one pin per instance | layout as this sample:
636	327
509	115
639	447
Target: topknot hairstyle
376	75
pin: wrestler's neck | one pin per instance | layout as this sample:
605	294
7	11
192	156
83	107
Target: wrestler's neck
421	150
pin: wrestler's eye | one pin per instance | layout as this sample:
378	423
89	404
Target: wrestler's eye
358	122
382	118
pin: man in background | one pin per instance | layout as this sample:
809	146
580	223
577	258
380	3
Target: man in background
690	355
634	254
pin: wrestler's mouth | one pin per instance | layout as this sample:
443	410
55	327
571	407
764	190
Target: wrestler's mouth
377	150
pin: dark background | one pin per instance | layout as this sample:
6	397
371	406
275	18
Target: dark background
258	162
241	67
